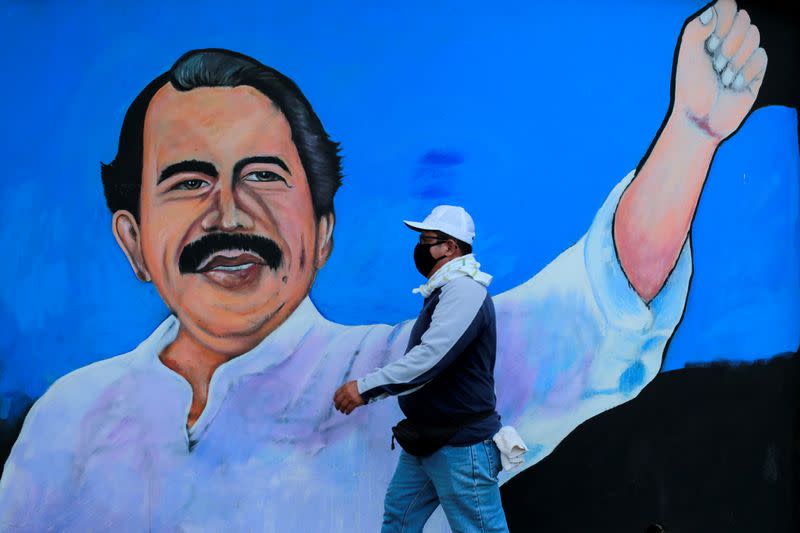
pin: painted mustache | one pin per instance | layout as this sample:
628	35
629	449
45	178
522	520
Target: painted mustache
195	254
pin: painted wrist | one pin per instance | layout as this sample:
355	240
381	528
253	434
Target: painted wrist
687	126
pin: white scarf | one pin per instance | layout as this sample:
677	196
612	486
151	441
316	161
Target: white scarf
465	265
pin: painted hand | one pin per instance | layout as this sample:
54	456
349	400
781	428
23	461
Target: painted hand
347	398
719	70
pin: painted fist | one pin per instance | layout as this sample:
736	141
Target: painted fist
719	70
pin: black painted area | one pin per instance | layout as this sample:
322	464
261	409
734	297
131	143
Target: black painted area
777	21
15	407
701	449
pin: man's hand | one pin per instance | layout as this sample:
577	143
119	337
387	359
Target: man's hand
719	70
347	398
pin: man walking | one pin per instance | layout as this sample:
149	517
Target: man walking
445	384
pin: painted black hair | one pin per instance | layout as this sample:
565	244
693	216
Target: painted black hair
122	178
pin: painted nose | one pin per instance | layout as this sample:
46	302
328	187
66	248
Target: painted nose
227	215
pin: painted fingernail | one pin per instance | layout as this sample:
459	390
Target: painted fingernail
712	43
719	62
727	76
738	83
705	18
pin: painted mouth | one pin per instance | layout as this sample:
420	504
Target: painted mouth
230	261
232	269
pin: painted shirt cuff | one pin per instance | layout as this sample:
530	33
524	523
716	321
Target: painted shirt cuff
619	303
636	332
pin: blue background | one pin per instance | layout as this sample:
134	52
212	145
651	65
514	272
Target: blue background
526	115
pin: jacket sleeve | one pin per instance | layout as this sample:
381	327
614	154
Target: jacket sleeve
456	321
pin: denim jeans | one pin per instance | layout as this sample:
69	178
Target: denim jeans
463	479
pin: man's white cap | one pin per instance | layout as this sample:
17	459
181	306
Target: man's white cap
450	219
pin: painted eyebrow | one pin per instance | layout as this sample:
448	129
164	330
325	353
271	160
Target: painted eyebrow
266	159
192	165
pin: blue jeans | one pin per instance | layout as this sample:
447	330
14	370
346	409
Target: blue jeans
463	479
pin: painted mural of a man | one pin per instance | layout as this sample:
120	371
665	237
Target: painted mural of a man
222	195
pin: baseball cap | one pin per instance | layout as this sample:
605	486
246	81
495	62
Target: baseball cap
450	219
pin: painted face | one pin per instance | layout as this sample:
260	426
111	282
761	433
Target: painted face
227	229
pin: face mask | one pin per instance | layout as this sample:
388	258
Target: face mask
423	258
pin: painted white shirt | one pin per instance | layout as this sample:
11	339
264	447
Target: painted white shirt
106	448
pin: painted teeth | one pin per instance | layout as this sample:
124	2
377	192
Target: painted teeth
233	267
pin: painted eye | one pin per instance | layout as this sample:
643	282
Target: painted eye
263	176
190	185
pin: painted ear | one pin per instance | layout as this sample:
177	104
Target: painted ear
126	231
324	238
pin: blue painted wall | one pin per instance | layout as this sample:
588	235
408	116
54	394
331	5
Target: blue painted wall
526	115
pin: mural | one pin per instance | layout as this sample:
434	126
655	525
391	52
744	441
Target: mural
223	194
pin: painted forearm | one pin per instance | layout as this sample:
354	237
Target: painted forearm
718	73
655	212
